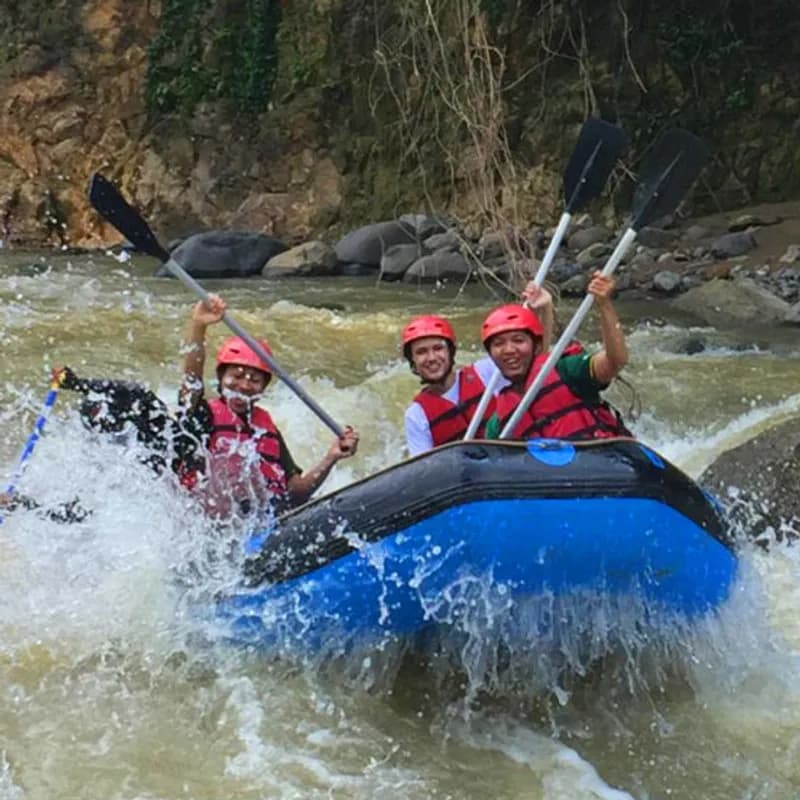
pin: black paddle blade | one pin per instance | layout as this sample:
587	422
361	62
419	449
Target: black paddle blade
107	200
599	146
669	170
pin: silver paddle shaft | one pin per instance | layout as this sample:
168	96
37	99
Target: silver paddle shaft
181	274
567	336
541	274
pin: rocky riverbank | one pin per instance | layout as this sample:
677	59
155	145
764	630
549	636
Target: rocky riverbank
726	269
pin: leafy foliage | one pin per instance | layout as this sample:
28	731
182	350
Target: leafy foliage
207	50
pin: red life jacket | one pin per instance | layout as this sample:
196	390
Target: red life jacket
574	348
557	412
449	421
227	465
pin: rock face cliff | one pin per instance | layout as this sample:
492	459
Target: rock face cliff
292	118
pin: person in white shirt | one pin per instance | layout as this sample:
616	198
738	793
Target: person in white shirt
444	407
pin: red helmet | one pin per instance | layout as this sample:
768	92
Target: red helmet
510	318
236	351
428	325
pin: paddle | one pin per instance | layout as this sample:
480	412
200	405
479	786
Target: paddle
599	146
669	170
107	200
38	427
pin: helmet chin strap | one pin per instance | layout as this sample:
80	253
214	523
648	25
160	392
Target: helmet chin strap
249	399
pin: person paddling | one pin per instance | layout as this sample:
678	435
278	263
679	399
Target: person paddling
441	411
242	460
128	413
569	405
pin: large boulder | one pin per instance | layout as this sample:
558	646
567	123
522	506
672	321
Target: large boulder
225	254
423	224
397	259
438	266
757	482
309	258
366	245
724	303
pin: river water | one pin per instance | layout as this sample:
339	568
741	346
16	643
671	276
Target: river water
108	689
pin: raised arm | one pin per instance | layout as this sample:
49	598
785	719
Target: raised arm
204	313
608	362
540	301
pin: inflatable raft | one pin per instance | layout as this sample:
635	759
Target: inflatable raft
415	547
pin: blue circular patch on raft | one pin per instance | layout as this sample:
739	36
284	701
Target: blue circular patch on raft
553	452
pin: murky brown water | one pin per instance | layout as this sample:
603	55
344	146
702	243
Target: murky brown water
106	691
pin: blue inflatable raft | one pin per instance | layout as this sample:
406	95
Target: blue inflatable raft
492	526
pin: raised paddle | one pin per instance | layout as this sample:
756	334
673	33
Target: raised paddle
107	200
598	148
669	170
38	427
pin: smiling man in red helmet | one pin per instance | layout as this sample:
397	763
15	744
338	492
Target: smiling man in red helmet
441	411
243	460
568	405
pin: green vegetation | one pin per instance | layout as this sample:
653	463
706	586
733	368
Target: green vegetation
709	55
51	26
207	50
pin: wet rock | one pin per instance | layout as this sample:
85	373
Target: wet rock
309	258
397	259
34	269
492	245
355	270
731	245
757	482
325	306
792	316
500	269
792	254
575	286
624	281
745	221
423	224
593	254
667	221
643	260
721	271
694	233
651	322
225	254
563	271
449	240
667	282
366	245
691	281
438	266
582	239
656	238
733	303
785	283
692	346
